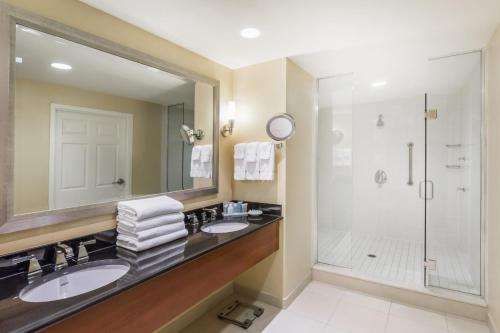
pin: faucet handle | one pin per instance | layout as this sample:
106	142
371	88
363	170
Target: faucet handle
83	255
34	269
60	261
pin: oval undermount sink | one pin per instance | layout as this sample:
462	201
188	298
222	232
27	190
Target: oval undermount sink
74	281
224	227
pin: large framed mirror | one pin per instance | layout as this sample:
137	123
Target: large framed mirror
89	122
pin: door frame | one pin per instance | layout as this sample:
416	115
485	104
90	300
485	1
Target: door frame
129	120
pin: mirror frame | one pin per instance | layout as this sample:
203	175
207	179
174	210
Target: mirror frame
9	17
288	117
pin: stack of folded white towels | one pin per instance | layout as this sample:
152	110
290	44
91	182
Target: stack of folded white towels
254	161
146	223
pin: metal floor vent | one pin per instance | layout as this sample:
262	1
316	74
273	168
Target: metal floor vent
240	314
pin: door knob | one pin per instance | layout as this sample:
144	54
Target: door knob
119	181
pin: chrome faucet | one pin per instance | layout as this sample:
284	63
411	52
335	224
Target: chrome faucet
62	253
212	214
34	269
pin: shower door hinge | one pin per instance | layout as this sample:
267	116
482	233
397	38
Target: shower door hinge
430	264
431	114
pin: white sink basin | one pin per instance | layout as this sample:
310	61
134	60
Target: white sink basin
223	227
75	280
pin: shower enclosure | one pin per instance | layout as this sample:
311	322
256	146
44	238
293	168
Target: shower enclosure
399	176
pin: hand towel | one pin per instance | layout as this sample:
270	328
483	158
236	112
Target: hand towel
152	233
239	161
251	161
206	161
134	245
195	162
266	160
149	207
135	226
251	152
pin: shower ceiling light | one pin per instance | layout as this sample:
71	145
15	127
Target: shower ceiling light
59	65
250	33
379	84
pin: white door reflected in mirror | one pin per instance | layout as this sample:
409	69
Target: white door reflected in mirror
281	127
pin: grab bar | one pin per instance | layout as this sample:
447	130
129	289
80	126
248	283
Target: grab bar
410	163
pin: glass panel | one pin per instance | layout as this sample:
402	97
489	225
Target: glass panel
334	170
453	163
388	217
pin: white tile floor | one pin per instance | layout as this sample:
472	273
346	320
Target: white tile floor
397	260
324	308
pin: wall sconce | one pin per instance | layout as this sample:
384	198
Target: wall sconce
227	129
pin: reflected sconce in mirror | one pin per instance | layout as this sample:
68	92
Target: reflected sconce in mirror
227	129
189	136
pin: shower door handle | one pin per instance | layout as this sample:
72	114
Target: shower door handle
420	187
410	164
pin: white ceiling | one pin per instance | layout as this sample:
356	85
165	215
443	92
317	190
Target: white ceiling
297	27
94	70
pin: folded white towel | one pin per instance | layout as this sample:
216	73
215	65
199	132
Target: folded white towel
152	233
195	162
239	161
144	260
135	226
251	152
266	160
133	244
206	153
149	207
196	153
206	161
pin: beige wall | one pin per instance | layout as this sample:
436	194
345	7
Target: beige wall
260	92
32	131
88	19
299	208
493	187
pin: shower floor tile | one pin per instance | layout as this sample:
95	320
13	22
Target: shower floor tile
394	260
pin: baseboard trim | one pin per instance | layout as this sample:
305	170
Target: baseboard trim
258	295
402	295
296	292
491	324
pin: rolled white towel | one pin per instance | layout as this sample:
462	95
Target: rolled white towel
135	245
149	207
134	226
152	233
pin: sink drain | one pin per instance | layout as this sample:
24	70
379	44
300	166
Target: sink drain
372	255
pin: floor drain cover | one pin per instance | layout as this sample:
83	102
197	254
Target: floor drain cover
372	256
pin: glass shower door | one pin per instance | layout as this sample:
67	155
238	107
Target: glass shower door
334	170
452	186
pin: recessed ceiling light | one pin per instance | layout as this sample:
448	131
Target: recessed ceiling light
250	33
31	31
19	60
152	69
379	84
59	65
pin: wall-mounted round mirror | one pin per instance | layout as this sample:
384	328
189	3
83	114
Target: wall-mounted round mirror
281	127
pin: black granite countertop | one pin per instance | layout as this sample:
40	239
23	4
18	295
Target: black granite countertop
19	316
